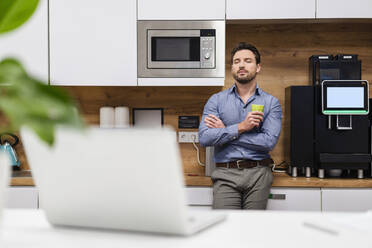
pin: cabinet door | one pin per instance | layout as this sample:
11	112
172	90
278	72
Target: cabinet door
93	42
346	199
181	10
22	197
295	199
270	9
29	43
344	9
199	196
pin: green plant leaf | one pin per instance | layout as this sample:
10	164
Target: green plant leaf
13	13
28	102
10	70
23	99
46	132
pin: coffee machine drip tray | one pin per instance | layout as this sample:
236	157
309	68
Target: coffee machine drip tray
345	161
344	122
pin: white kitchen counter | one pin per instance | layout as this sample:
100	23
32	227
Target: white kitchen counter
29	228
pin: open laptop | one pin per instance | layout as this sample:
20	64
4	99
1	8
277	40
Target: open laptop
129	179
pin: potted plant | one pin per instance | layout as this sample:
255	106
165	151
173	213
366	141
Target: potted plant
24	99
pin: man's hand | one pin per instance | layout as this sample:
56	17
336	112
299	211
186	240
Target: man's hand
212	121
252	120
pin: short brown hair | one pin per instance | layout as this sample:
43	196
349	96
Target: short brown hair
246	46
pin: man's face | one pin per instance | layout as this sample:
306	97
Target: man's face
244	68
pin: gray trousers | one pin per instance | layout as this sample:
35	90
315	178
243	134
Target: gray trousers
241	188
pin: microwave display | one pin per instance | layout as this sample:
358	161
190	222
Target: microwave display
175	49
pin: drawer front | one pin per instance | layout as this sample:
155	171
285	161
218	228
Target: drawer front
199	196
346	199
295	199
22	197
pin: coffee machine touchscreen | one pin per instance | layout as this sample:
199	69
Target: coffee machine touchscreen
345	97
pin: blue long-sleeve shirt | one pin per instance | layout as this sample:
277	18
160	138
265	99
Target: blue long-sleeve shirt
230	108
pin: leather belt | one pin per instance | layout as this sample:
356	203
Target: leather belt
244	164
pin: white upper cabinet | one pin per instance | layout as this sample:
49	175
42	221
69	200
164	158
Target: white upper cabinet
344	9
181	10
270	9
93	42
29	43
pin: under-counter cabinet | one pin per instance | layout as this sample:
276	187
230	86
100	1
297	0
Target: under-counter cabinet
270	9
93	42
29	43
22	197
181	10
357	199
199	196
294	199
344	9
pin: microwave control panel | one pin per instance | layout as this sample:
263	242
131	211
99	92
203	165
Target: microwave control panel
207	48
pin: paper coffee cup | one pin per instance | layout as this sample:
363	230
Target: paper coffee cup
257	107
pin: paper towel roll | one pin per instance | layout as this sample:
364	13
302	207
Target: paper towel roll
121	117
106	117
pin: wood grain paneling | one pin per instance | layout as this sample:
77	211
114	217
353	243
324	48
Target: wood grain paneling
284	180
285	49
174	100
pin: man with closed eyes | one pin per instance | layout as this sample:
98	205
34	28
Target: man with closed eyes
241	135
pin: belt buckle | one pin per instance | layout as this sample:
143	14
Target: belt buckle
237	164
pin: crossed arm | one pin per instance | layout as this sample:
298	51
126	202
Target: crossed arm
213	131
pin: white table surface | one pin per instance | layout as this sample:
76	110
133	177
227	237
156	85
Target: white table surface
29	228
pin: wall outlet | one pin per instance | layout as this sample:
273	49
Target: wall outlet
188	137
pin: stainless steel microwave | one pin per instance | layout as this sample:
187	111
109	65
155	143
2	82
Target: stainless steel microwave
181	49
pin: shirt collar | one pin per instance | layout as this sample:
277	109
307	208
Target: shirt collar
258	89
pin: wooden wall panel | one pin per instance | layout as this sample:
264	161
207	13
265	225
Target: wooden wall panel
285	49
175	101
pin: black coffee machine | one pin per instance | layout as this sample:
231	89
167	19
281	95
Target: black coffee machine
328	121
